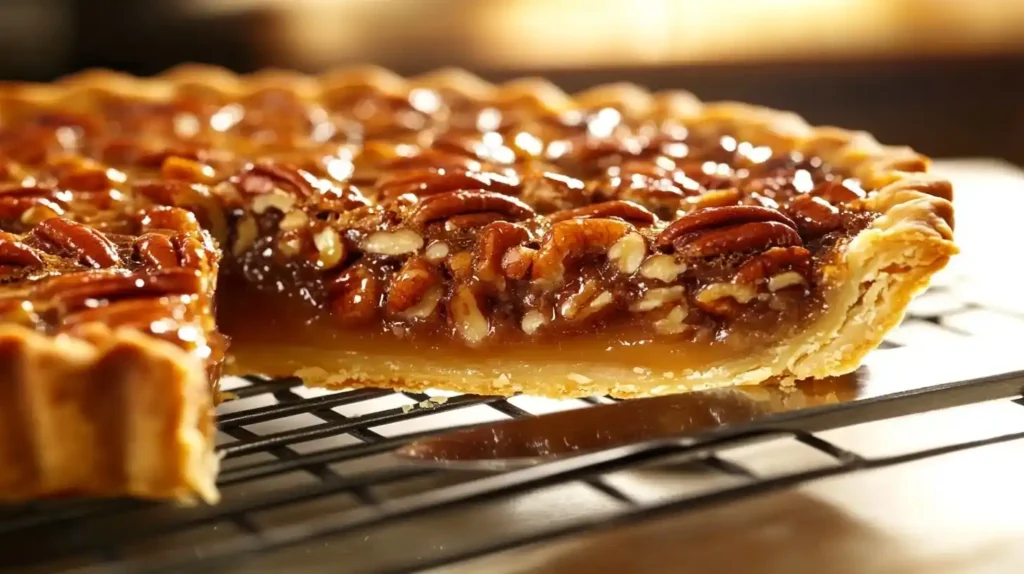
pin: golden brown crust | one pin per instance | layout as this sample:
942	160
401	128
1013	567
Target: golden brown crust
121	413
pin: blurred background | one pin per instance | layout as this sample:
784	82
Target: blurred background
945	76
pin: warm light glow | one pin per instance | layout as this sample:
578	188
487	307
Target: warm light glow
542	34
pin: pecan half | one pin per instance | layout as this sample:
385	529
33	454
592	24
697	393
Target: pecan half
724	299
575	237
170	219
39	210
156	251
453	203
814	216
7	191
82	174
838	191
13	252
552	192
472	220
193	252
89	246
264	177
771	262
179	168
622	209
738	238
495	240
422	183
15	208
727	197
432	158
330	247
392	243
712	217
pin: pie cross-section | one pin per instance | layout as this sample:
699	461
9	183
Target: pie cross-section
359	228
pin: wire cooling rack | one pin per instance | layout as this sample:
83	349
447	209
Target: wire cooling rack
309	484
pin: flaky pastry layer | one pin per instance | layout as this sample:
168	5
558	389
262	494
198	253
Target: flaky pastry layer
119	414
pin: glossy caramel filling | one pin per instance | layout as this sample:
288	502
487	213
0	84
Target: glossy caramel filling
279	334
421	235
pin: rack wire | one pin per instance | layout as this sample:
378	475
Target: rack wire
309	484
308	480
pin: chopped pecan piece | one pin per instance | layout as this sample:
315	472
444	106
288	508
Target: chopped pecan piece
494	242
574	238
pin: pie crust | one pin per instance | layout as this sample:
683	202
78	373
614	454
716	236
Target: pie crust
709	244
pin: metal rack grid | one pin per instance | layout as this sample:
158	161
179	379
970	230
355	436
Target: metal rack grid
317	463
308	482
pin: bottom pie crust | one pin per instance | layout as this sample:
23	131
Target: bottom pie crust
118	414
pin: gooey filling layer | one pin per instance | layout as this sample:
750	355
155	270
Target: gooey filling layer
364	231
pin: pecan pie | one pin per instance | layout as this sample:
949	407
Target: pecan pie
359	228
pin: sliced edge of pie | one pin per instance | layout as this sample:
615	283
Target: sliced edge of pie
119	413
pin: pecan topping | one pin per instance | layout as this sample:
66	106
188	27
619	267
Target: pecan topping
194	253
13	252
713	217
169	218
423	183
469	221
355	295
30	204
838	191
87	245
398	242
176	167
772	262
738	238
264	177
621	209
575	237
453	203
717	231
517	262
500	213
433	158
495	241
815	216
84	174
330	248
469	322
411	285
157	251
